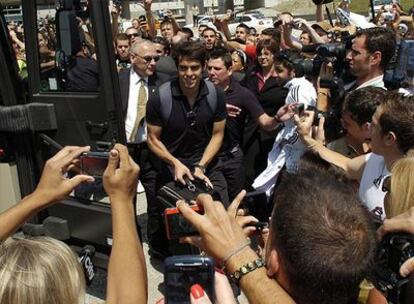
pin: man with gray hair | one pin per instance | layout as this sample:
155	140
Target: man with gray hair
137	84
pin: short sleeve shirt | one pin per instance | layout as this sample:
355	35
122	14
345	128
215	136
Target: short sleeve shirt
244	99
188	130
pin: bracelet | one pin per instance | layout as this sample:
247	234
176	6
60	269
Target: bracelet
237	250
247	268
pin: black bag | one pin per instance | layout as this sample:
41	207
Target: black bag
170	193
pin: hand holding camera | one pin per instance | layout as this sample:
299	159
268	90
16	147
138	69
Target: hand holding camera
121	175
53	184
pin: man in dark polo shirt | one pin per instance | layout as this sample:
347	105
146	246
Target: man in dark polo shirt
240	102
188	140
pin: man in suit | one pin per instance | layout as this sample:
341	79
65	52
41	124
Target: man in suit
137	84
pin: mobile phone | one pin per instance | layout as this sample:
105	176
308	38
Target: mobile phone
300	109
255	204
176	225
94	163
183	271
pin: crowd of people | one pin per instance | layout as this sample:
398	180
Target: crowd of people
325	131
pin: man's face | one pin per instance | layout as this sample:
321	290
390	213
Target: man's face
135	23
218	73
122	49
282	73
201	29
359	58
160	49
189	73
167	31
241	33
353	129
209	39
133	34
375	131
144	60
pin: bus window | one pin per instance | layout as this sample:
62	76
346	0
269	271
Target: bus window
66	47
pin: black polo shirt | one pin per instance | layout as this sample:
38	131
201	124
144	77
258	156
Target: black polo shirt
188	131
243	98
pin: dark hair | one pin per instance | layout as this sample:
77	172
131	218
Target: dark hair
288	57
243	25
187	31
398	117
208	29
121	37
362	103
165	21
274	33
324	237
269	44
163	41
192	50
379	39
223	54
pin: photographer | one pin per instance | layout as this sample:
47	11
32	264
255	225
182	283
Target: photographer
372	50
313	265
49	270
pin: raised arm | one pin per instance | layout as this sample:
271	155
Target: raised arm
353	167
150	18
127	273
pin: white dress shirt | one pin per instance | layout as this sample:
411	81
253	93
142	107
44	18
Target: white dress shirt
131	116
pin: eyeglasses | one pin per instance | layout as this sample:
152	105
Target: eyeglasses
148	59
133	35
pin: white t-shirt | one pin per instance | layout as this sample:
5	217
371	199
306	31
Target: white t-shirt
370	188
288	148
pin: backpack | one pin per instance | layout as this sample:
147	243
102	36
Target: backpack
166	99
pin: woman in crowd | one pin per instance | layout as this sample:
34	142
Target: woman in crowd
239	59
262	81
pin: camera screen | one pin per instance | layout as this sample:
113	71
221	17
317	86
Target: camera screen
179	280
256	205
94	165
178	226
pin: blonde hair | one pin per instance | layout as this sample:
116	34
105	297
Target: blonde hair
40	271
402	186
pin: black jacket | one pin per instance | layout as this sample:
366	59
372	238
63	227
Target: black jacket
154	82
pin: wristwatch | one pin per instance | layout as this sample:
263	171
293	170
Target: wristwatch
201	167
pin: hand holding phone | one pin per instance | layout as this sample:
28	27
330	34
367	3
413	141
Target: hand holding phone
176	225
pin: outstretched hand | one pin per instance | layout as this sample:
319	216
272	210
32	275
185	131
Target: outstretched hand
54	185
286	112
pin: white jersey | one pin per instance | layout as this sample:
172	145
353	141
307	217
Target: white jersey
370	188
288	148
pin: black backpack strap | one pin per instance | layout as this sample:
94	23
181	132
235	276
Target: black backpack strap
212	96
166	101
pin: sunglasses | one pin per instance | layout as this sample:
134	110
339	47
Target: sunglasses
148	59
133	35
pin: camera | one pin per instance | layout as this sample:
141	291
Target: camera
393	251
94	163
176	225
